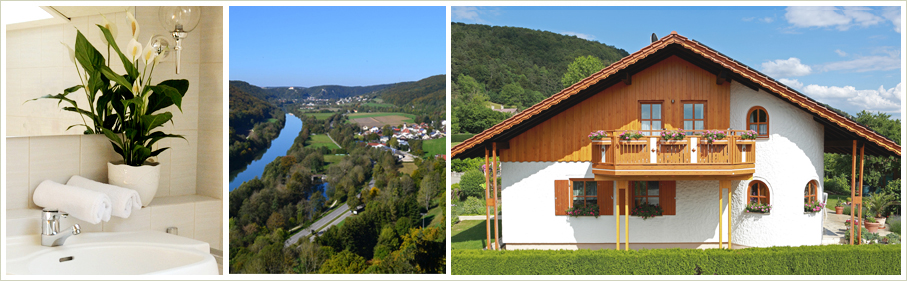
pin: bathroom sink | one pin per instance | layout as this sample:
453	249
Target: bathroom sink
118	253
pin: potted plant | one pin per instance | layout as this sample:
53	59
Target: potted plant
814	207
126	108
713	136
598	135
839	207
756	207
749	136
670	137
584	210
630	135
647	211
876	204
871	224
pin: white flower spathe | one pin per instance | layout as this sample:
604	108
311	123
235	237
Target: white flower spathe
133	25
133	49
109	26
149	54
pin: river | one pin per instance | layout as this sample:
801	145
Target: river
279	147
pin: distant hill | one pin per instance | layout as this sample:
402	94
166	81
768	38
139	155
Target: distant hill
500	55
247	107
322	92
429	92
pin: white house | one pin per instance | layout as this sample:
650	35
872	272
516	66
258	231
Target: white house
550	164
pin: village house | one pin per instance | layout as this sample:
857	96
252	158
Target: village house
702	182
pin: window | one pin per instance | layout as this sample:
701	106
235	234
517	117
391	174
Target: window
645	192
584	193
758	193
809	195
650	117
694	116
757	120
573	192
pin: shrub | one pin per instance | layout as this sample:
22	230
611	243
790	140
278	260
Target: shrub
894	224
892	238
470	206
805	260
463	165
471	184
837	185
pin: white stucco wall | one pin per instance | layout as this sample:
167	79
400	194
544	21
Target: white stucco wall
787	161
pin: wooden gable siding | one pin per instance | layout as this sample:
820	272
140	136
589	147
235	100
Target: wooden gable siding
564	136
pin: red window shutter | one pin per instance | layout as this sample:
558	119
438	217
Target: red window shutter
667	191
605	203
561	197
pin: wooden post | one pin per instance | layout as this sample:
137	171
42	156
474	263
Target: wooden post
620	186
720	214
860	193
853	174
494	182
487	217
627	216
729	213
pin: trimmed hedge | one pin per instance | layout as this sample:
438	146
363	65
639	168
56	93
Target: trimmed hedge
460	137
873	259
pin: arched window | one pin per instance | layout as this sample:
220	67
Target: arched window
757	120
758	193
810	194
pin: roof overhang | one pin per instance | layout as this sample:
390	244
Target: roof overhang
838	129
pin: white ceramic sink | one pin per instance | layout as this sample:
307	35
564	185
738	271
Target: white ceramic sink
118	253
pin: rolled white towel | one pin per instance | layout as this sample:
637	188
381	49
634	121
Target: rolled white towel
123	200
87	205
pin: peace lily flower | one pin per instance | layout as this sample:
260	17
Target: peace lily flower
109	26
149	54
133	25
133	49
72	53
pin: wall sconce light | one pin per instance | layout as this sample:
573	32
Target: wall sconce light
179	21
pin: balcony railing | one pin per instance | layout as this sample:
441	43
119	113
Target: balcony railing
731	155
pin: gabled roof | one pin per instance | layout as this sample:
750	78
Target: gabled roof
837	126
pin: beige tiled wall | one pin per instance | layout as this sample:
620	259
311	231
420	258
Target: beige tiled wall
38	65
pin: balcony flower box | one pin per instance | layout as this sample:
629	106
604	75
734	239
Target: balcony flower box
673	142
602	142
642	141
714	142
745	142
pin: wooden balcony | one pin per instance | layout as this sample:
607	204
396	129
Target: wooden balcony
652	158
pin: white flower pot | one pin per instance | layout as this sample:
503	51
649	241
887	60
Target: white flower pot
143	179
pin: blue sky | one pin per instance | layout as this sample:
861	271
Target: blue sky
848	57
348	46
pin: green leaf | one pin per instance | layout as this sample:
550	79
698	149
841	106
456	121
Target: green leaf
156	152
164	98
88	130
113	137
130	68
115	77
86	54
153	121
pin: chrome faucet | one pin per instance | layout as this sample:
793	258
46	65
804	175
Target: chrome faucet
50	228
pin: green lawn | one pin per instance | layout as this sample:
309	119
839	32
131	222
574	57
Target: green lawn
408	168
273	120
320	116
434	217
333	158
321	140
833	199
470	234
455	144
435	146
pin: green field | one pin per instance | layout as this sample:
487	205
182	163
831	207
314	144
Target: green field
333	158
469	234
379	114
408	168
320	116
435	146
321	140
378	104
273	120
454	144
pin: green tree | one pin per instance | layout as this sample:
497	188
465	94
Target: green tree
512	94
345	262
471	184
580	68
428	190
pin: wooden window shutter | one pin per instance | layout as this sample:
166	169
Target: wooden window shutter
562	195
666	193
605	203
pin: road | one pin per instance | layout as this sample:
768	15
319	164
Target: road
341	213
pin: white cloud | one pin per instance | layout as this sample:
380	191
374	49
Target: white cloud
841	53
867	63
767	19
883	100
842	19
465	13
793	83
893	14
786	68
748	19
580	35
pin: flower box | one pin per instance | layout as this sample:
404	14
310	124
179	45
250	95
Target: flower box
640	141
714	142
746	141
673	142
602	142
